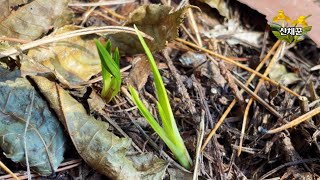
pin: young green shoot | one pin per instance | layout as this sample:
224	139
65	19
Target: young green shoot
169	133
110	64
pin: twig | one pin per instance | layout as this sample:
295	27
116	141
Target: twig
204	105
181	88
314	97
264	41
4	167
226	112
102	3
230	79
189	34
199	143
22	41
62	167
288	164
86	14
246	112
118	128
194	26
85	31
25	136
257	98
239	65
296	121
113	13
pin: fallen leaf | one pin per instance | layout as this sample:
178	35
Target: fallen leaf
32	20
20	104
280	74
95	102
75	59
154	20
101	149
139	73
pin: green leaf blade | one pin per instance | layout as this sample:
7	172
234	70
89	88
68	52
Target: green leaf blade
164	108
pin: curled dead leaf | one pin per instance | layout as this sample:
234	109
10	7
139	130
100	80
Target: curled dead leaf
154	20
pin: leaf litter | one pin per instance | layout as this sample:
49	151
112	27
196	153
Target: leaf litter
33	19
219	156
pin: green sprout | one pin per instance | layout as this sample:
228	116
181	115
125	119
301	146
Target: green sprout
110	64
169	133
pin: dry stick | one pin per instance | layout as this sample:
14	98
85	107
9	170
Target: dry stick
4	167
296	121
14	40
194	26
224	115
86	15
85	31
25	135
257	98
103	3
246	112
239	65
314	97
106	17
199	143
62	167
181	88
189	34
288	164
232	85
113	13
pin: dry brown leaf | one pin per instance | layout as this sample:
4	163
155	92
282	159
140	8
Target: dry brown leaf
101	149
139	73
32	20
154	20
75	59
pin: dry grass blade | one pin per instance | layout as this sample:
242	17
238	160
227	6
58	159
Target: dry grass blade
239	65
226	112
86	31
296	121
13	40
194	26
103	3
246	112
4	167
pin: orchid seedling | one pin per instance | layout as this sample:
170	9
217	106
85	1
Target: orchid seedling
169	133
110	64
